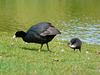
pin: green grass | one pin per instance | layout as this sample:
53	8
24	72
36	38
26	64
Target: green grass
25	59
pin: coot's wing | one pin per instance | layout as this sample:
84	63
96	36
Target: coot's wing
43	29
79	42
51	30
73	41
76	41
39	28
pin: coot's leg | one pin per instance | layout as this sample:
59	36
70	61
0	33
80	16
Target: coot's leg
40	47
48	48
74	49
80	49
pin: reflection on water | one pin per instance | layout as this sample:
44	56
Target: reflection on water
89	34
74	18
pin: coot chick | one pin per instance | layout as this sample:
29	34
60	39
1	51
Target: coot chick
41	33
75	43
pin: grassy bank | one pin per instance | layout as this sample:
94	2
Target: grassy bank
25	59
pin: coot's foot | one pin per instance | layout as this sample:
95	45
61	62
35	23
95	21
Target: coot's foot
39	51
49	51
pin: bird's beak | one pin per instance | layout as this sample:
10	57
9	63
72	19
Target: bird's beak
68	44
14	36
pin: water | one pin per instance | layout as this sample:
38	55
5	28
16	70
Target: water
74	18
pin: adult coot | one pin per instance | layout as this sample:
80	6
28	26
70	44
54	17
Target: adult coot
75	43
41	33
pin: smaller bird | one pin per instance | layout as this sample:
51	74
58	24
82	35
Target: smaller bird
75	43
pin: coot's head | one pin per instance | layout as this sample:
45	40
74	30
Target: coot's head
19	34
69	44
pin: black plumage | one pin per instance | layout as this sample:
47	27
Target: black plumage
40	33
75	43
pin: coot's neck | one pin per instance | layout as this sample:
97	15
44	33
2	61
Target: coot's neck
23	35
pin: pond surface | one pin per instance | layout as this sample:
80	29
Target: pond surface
74	18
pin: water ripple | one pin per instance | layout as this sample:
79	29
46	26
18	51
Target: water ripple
89	33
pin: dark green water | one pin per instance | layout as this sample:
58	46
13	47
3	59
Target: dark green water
74	18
